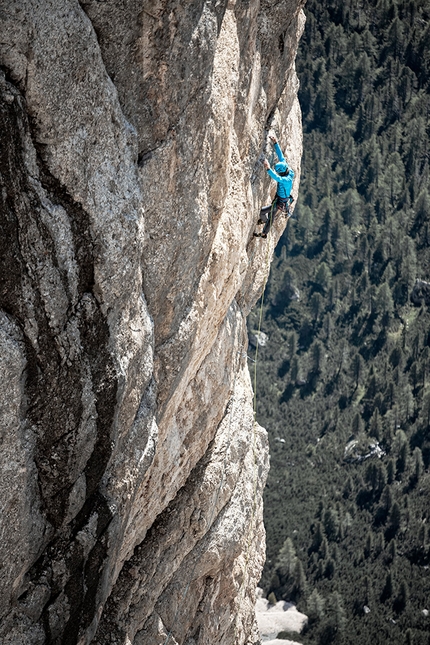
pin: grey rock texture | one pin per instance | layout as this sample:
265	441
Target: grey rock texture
131	466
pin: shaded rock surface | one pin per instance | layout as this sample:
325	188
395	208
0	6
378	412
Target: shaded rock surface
131	466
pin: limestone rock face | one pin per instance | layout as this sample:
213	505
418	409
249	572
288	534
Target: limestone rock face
132	467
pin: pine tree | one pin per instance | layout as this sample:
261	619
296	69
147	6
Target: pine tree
318	537
384	301
348	488
422	208
316	305
395	518
317	357
315	607
369	544
295	370
391	471
418	464
392	550
272	598
346	523
300	585
402	597
423	537
379	543
407	402
425	410
306	223
286	560
401	449
387	499
409	263
292	345
351	208
357	424
323	277
331	523
402	458
324	549
357	368
387	590
375	428
330	569
338	616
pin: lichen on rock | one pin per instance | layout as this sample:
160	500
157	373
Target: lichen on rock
132	465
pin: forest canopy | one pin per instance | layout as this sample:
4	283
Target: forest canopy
344	380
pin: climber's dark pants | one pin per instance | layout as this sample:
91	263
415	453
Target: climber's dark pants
268	213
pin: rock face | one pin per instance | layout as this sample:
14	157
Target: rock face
131	465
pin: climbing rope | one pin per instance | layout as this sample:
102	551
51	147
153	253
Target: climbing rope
260	319
254	444
224	469
254	425
212	515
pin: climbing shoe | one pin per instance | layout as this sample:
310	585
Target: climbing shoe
264	235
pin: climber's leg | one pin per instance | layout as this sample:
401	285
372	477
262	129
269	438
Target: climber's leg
271	218
264	214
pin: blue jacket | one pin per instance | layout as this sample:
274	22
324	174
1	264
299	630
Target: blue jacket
285	184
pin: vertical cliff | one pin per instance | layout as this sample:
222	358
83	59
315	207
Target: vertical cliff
131	468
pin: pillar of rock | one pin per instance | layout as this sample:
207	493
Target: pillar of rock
131	467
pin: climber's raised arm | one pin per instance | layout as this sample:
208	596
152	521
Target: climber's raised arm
277	147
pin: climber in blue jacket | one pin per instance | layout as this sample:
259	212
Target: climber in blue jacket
284	176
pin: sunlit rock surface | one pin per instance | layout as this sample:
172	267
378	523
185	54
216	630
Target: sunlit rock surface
275	619
131	467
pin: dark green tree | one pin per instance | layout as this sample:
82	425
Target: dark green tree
375	427
387	590
317	357
357	368
323	277
300	586
315	607
331	523
316	305
418	464
402	597
395	518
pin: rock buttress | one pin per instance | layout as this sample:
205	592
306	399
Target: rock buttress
132	469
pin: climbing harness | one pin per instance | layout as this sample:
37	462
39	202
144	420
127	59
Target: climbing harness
278	206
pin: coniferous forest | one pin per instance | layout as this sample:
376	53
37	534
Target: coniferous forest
344	379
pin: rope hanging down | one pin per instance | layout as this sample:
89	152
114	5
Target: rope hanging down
254	425
212	515
254	445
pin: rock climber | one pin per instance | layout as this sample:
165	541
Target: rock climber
284	176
